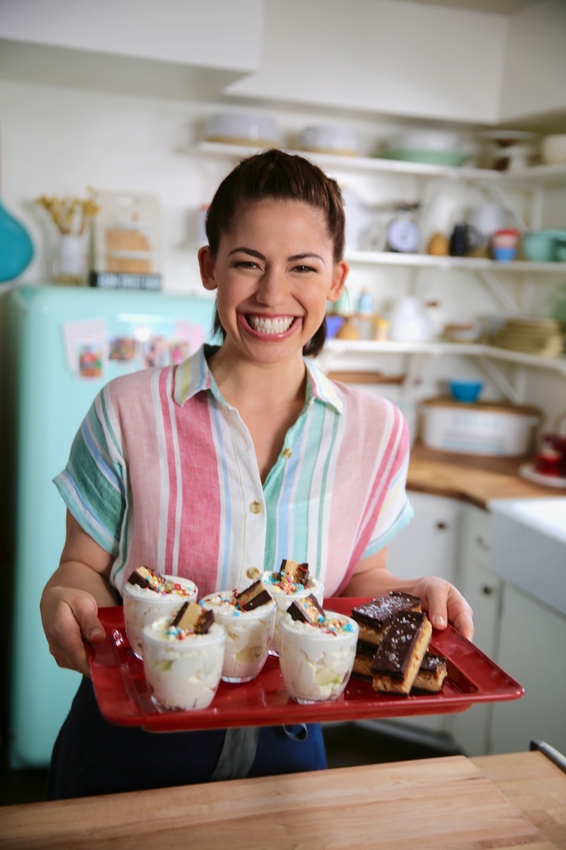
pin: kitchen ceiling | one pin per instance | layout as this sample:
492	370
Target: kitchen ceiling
497	7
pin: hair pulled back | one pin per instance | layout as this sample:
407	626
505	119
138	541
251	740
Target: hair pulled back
275	175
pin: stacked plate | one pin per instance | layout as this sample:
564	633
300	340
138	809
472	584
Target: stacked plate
531	335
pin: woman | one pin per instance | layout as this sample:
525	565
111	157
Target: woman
241	456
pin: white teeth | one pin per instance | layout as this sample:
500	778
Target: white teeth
270	326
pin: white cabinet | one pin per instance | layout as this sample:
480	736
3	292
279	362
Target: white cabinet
429	544
170	31
483	590
532	649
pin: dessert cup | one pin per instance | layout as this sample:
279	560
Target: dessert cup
142	606
248	635
182	669
316	664
283	599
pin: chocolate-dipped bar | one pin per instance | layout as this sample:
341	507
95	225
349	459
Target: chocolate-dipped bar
141	577
293	571
253	596
363	661
374	617
399	656
307	610
431	675
193	617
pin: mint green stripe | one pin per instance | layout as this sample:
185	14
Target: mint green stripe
304	490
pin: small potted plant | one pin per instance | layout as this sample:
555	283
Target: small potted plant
73	218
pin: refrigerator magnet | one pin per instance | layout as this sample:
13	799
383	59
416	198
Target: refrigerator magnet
155	352
91	360
122	348
179	350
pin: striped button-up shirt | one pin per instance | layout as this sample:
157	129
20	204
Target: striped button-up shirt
163	472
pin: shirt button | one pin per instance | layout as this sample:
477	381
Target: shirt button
253	573
255	507
287	453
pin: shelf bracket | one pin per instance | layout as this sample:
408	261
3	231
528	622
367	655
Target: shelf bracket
500	292
414	369
515	394
495	191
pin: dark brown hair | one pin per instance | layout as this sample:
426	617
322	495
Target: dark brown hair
279	176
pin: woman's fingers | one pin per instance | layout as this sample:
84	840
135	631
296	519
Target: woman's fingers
70	617
444	604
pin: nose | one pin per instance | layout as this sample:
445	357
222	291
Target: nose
272	288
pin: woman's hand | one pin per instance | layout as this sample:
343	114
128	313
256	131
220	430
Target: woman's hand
69	617
70	601
440	599
443	603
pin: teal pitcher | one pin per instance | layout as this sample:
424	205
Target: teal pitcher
16	249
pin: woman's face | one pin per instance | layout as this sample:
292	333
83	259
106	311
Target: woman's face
274	273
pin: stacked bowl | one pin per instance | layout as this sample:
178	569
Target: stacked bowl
531	335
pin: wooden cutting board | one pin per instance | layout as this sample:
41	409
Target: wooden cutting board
432	804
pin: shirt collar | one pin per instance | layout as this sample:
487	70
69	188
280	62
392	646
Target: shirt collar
193	375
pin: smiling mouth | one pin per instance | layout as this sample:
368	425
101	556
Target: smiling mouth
264	325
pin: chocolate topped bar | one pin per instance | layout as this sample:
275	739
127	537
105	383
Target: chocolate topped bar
141	577
401	651
307	610
253	596
193	617
431	675
374	617
293	571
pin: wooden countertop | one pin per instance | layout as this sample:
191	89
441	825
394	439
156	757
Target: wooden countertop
471	478
432	804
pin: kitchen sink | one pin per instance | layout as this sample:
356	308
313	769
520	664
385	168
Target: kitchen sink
529	546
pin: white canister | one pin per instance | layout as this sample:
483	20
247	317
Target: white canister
480	428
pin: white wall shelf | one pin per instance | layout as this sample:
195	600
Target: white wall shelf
337	348
369	164
476	264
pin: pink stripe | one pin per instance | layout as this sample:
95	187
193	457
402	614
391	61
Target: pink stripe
376	496
164	394
200	519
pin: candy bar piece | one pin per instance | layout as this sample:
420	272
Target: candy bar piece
193	618
431	674
307	610
141	577
293	571
399	656
253	596
374	617
362	662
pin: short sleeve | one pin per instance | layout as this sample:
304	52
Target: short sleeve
92	484
396	509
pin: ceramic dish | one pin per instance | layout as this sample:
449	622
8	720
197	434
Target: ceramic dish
430	157
330	138
529	473
242	128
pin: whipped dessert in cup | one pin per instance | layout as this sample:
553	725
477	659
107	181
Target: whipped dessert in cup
285	592
143	605
316	660
248	634
182	668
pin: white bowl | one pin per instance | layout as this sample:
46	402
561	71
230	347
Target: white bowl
244	128
553	149
429	140
330	138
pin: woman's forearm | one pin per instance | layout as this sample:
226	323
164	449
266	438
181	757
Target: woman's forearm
79	576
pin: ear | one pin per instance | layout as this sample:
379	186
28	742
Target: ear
207	268
339	276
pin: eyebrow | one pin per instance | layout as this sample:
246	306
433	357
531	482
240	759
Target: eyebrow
259	256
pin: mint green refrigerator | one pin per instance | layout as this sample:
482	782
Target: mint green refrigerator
64	345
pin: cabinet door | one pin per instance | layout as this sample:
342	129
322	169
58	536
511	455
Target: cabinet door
427	546
532	649
483	590
429	543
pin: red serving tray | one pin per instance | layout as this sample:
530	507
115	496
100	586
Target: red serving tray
124	697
